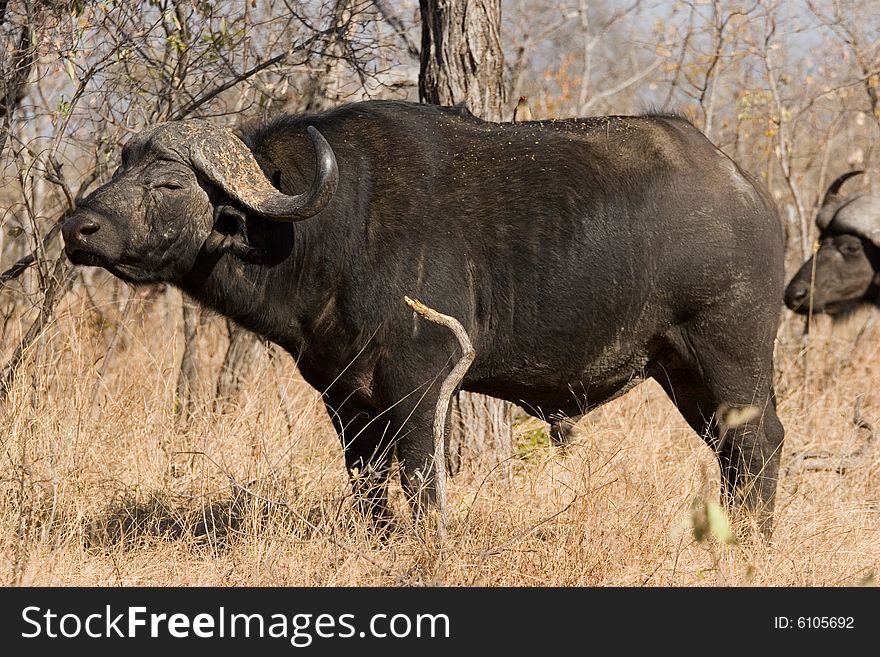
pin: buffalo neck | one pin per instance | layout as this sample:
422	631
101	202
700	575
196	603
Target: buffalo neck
274	296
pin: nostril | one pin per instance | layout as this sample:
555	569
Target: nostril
88	228
796	296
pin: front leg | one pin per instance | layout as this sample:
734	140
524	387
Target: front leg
367	443
412	385
415	451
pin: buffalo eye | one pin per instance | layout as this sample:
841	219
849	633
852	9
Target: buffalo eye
166	184
850	249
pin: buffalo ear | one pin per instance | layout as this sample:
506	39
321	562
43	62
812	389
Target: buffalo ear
230	234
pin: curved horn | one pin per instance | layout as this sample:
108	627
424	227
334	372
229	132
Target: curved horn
833	193
230	165
860	216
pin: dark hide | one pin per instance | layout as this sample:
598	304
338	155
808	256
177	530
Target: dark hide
582	256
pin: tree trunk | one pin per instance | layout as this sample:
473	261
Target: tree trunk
462	60
187	379
15	69
462	63
13	83
245	351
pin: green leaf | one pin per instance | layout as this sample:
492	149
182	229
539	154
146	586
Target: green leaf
63	106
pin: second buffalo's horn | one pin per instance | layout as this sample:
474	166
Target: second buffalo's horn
833	193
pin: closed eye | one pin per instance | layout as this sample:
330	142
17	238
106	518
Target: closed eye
166	184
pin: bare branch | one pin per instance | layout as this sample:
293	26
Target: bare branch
398	26
13	87
622	85
22	265
824	461
58	284
216	91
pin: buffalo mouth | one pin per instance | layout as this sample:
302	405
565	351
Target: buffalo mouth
87	258
128	273
828	308
840	307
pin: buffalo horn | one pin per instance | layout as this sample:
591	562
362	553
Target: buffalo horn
833	200
860	216
833	193
229	164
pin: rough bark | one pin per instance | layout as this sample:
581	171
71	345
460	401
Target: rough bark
187	379
244	352
462	60
13	83
462	63
13	88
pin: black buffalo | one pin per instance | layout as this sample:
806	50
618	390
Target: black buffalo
845	271
582	256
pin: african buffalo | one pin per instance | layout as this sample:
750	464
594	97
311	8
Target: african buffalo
581	255
845	271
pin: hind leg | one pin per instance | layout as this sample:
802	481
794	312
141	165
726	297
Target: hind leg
727	397
749	455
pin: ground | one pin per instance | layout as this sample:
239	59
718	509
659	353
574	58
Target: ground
102	485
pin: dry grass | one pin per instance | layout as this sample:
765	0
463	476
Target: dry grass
116	493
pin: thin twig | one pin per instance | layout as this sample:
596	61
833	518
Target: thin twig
188	375
399	28
56	287
108	354
216	91
57	178
22	265
635	77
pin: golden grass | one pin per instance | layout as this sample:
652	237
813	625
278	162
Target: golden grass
116	493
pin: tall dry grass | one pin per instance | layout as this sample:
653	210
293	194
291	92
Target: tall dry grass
102	486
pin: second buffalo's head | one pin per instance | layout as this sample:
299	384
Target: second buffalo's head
845	270
184	188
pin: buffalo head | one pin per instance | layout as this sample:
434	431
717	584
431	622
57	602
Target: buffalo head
185	187
845	270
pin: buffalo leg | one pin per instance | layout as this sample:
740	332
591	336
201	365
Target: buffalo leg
415	451
561	430
732	406
364	433
414	404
